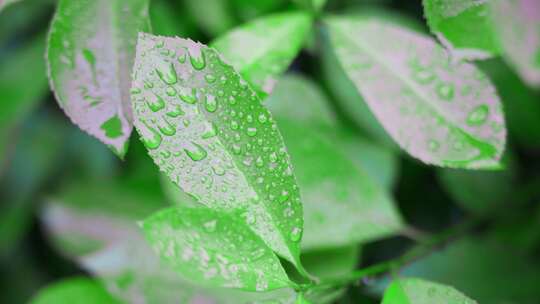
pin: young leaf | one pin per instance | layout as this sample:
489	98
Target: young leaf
214	249
417	291
442	112
77	290
257	51
90	54
518	27
464	27
207	130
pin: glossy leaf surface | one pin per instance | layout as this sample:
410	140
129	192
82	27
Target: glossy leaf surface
207	130
441	112
90	54
417	291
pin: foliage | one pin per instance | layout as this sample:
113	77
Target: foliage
304	151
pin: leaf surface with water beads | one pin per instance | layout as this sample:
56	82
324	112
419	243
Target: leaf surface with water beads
518	30
442	112
464	27
90	54
207	130
418	291
264	48
215	249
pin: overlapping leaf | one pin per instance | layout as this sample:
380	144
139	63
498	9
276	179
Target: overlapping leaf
464	27
518	31
214	249
342	204
78	290
206	129
101	234
90	54
417	291
442	112
257	49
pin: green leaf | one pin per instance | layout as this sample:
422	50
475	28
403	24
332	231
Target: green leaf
214	17
301	300
77	290
442	112
480	192
487	270
90	54
417	291
23	83
299	99
107	243
464	27
342	204
207	130
517	24
313	5
257	49
214	249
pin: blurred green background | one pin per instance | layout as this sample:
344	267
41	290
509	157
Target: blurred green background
42	153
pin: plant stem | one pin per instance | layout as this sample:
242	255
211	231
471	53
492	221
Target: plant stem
427	246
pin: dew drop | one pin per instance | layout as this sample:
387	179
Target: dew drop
170	91
157	104
197	62
234	125
210	104
176	112
189	98
197	154
167	130
210	78
169	76
296	234
251	131
262	118
445	91
210	226
478	115
211	132
154	142
218	170
433	145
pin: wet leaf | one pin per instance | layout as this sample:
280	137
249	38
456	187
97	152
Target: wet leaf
417	291
257	49
105	240
77	290
464	27
214	249
518	30
90	53
442	112
207	130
